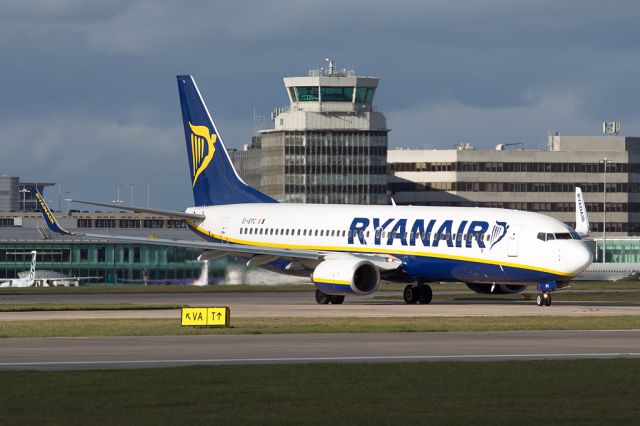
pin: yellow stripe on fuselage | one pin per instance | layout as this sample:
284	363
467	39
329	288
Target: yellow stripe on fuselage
378	251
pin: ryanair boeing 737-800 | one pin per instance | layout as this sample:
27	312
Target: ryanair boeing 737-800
348	249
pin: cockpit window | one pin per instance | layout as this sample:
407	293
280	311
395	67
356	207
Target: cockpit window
571	235
563	236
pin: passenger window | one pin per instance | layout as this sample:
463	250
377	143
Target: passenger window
316	233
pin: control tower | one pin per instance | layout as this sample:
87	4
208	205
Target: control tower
328	146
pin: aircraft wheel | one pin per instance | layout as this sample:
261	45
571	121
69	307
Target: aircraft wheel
337	300
426	294
539	300
547	299
410	294
321	298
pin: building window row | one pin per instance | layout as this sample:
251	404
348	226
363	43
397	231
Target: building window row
407	186
7	221
335	189
336	149
462	166
132	223
336	169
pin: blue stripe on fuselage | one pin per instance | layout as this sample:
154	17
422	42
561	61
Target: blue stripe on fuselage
439	269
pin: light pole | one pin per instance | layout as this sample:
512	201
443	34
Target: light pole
148	192
131	199
118	200
604	161
24	198
68	199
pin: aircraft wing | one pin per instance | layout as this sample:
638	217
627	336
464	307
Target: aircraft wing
241	249
181	215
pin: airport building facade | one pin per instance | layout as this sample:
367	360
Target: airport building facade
115	263
328	146
16	195
539	181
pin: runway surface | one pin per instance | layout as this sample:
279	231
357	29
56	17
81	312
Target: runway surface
164	351
302	304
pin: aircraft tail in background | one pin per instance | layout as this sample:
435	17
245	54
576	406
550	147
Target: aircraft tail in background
582	220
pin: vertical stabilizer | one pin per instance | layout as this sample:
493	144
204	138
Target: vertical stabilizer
32	272
213	177
203	279
582	220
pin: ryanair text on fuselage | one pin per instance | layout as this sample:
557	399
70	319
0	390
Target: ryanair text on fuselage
429	233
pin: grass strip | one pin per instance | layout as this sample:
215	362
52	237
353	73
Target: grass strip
48	307
154	289
443	393
161	327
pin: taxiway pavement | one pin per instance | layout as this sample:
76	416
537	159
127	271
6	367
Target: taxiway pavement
165	351
302	304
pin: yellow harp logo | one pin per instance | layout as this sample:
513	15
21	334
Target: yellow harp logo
202	149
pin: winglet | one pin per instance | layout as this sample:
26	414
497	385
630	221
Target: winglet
582	220
51	220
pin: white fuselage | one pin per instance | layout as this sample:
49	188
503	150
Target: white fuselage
435	243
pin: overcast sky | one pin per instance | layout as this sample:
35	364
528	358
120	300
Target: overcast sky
89	98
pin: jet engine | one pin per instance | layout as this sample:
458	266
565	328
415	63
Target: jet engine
346	274
498	289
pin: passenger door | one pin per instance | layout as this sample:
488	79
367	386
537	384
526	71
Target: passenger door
512	240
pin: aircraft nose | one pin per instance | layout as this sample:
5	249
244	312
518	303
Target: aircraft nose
580	258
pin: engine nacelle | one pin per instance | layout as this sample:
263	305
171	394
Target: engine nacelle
346	274
498	289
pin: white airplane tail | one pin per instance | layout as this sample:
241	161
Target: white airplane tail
582	220
32	272
203	279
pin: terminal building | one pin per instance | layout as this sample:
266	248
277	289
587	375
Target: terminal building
23	230
329	145
542	181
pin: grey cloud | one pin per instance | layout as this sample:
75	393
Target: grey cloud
77	71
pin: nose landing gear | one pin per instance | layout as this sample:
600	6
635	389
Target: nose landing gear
544	295
544	299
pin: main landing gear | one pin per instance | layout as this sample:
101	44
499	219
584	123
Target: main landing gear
418	292
325	299
544	299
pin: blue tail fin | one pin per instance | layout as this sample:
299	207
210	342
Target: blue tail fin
51	220
213	178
